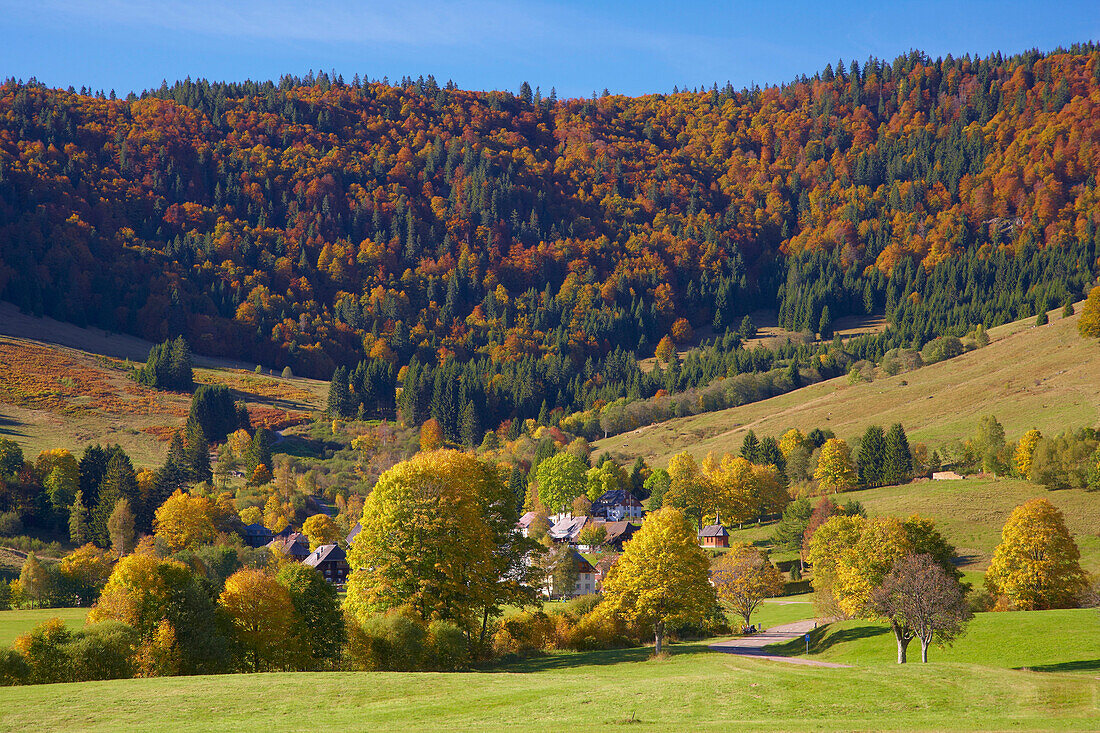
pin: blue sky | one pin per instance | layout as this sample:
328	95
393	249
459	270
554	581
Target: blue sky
577	47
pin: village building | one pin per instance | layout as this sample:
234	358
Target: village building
331	561
525	522
584	585
257	535
714	535
294	545
354	533
568	528
617	505
618	533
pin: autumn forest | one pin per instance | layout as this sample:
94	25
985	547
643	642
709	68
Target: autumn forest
507	254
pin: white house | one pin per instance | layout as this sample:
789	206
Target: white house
585	584
617	505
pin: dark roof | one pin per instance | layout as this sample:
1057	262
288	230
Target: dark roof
354	532
257	530
325	553
616	498
619	530
295	544
583	566
713	530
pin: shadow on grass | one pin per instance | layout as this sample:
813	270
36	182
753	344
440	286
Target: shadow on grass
570	660
1082	665
821	640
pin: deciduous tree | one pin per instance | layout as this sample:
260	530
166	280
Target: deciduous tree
1037	565
835	471
661	577
262	615
743	577
918	595
561	478
321	530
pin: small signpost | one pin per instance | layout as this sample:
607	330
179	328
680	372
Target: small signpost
807	643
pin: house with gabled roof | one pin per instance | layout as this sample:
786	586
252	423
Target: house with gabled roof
714	535
257	535
584	585
294	545
331	561
617	505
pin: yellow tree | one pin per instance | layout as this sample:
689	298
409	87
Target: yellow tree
666	350
834	470
791	439
262	615
186	520
1089	323
1037	565
427	543
852	556
688	489
60	475
431	435
321	530
743	577
661	577
87	566
252	515
1025	449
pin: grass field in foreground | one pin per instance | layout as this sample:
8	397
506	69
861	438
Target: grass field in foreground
1062	641
693	689
1028	377
971	514
15	623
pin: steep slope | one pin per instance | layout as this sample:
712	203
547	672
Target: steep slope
1046	377
54	396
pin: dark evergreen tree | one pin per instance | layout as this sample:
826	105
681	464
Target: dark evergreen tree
768	454
750	447
197	451
340	403
168	366
471	426
93	464
119	482
899	459
213	408
871	461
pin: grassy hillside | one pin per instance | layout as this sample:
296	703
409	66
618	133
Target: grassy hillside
1028	376
60	396
15	623
971	513
693	689
1050	641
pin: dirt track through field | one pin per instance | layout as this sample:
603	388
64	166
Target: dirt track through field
753	646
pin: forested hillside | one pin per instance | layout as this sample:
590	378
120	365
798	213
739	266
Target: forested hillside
544	244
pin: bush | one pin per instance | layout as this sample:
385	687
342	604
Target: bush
939	349
445	648
14	669
288	373
523	633
391	642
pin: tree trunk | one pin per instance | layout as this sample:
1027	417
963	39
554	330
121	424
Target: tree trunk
484	627
924	650
658	636
903	640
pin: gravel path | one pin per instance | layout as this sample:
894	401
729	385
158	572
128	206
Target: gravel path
753	646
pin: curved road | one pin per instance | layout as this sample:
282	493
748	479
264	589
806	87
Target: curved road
753	646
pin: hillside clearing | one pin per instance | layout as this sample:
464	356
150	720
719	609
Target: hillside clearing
55	396
969	513
17	622
1045	377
